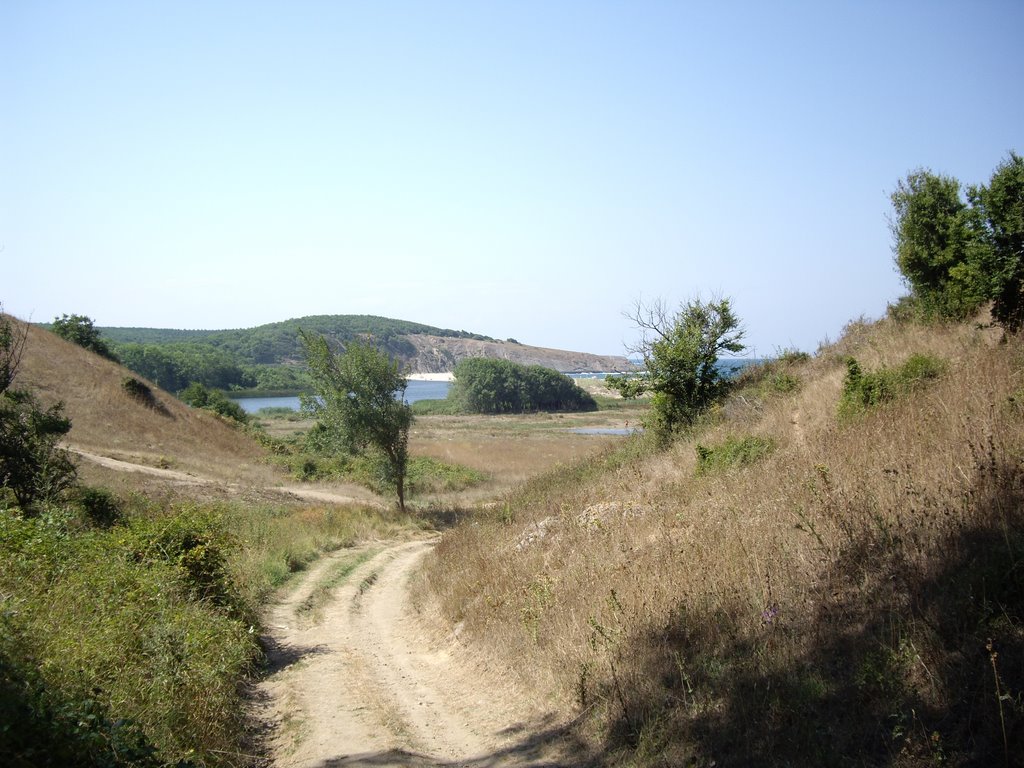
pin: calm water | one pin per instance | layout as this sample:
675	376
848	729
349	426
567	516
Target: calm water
417	390
438	390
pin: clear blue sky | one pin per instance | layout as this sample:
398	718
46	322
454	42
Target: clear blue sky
525	169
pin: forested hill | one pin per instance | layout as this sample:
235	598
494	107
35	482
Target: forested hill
269	358
278	343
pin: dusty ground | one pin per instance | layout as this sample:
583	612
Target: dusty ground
367	681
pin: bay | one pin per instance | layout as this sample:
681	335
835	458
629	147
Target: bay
417	390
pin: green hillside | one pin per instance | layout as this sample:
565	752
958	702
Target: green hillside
276	343
267	358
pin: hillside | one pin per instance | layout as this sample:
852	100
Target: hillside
422	348
795	583
435	354
109	422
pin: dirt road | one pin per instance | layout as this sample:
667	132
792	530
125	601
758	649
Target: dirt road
365	499
359	679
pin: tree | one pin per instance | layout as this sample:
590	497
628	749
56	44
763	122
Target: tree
1001	204
359	404
32	465
680	352
488	385
78	329
939	245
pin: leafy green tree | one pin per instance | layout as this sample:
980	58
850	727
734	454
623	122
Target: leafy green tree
1001	204
680	351
940	245
32	465
487	385
79	330
359	404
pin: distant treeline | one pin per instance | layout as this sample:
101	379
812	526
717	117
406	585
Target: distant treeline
266	358
174	366
277	343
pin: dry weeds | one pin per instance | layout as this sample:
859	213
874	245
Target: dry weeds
671	603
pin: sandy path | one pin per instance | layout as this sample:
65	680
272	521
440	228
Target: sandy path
184	478
370	683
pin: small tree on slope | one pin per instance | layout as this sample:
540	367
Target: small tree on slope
359	404
680	352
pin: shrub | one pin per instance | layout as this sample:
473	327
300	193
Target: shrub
484	385
734	452
773	376
33	467
139	391
99	506
199	396
78	329
865	390
104	630
427	475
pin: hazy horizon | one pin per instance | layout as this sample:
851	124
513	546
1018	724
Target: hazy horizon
525	170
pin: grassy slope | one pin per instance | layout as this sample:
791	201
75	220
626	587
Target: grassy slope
138	636
106	420
855	598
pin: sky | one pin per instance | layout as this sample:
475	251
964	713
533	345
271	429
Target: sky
525	170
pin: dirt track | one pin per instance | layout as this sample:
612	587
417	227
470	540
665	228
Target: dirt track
185	478
367	682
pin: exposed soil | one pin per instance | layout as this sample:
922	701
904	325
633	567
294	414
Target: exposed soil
179	478
367	681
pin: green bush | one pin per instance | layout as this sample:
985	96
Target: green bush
427	475
79	329
116	640
41	725
138	390
865	390
484	385
195	542
446	407
99	506
733	452
774	376
199	396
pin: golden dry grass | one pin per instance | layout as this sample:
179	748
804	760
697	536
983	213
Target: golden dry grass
671	603
107	421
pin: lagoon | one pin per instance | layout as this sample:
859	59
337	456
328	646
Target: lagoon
417	390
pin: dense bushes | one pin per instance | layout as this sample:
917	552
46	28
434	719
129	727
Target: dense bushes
34	468
484	385
733	452
957	255
121	646
198	396
79	329
174	366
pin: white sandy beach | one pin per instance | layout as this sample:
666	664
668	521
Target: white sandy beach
449	376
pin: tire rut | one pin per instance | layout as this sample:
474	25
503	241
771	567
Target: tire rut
366	682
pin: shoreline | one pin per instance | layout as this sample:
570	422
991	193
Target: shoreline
449	376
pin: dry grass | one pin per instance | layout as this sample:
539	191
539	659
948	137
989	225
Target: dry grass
107	421
508	449
739	615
